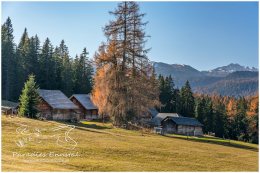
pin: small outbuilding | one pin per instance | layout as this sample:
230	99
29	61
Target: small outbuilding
157	118
87	109
8	107
54	105
182	125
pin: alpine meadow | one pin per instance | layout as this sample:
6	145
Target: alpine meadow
121	103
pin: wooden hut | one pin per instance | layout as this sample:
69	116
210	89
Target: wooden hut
54	105
182	125
87	108
157	119
8	107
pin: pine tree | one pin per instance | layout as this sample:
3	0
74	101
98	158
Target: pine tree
22	60
220	125
46	61
29	98
8	61
167	94
82	74
209	121
57	68
176	99
23	53
187	101
204	113
33	56
201	111
241	121
66	71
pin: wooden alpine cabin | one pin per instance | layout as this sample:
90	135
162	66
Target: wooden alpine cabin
54	105
182	125
9	108
87	108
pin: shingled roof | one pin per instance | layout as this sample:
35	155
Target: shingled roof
160	116
56	99
153	112
85	101
185	121
8	104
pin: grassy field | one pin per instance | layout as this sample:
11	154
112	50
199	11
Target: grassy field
100	147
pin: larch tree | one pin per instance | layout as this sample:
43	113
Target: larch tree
131	86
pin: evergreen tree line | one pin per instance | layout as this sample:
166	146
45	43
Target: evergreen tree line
52	66
228	117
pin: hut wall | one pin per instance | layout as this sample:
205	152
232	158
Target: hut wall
91	114
60	114
85	113
44	109
82	110
198	131
190	130
169	126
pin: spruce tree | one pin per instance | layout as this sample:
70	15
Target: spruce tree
29	98
241	120
220	125
86	72
58	67
8	61
66	71
46	61
167	94
187	101
201	110
33	56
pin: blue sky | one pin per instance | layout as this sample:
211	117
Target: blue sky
204	35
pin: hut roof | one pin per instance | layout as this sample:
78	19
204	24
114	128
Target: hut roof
8	104
85	101
56	99
153	112
185	121
160	116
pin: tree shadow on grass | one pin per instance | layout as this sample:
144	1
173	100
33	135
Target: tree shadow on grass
226	143
89	126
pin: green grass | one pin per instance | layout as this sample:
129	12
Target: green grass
104	148
215	140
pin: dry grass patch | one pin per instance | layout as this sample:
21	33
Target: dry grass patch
104	148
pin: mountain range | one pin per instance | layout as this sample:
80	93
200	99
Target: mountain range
231	80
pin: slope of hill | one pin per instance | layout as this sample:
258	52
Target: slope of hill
232	79
241	83
100	147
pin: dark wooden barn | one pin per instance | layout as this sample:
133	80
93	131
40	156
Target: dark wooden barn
9	108
182	125
87	108
54	105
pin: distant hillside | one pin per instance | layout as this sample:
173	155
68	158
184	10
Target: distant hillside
235	84
225	70
233	79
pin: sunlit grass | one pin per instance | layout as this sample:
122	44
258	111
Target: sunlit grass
103	147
